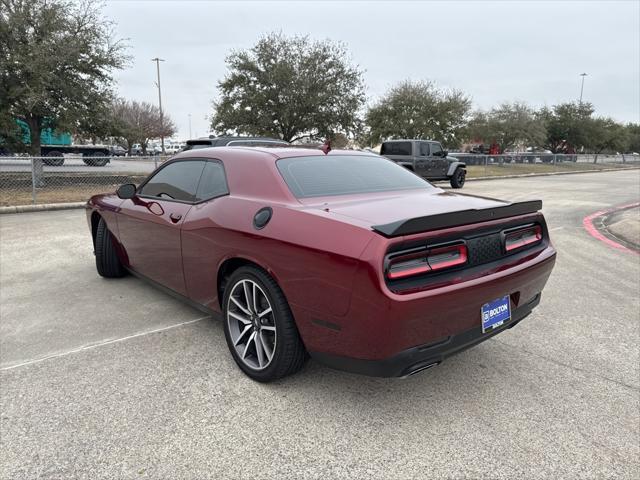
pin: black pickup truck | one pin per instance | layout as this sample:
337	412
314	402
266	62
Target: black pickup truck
426	158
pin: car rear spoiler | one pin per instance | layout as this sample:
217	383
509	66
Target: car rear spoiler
455	219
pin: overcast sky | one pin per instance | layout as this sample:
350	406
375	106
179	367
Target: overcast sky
493	50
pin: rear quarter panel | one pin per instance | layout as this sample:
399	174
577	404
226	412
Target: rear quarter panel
312	257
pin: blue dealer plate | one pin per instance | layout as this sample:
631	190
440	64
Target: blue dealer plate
495	313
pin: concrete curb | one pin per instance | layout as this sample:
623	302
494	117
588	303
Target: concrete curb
42	207
66	206
548	174
595	225
612	229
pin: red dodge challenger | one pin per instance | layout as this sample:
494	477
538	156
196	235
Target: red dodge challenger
346	256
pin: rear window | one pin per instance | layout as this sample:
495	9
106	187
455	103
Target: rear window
195	144
396	148
345	174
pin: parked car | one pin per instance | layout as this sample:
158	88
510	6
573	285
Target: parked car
136	149
117	151
211	141
426	158
174	148
152	149
347	257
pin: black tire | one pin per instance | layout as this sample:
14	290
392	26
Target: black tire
458	178
54	159
107	262
289	354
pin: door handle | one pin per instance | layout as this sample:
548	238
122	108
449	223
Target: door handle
175	217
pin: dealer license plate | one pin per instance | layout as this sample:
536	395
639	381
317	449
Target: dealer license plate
495	313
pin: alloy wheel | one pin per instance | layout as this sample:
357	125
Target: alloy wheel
251	323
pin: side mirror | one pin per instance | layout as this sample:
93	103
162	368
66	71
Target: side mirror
126	191
444	153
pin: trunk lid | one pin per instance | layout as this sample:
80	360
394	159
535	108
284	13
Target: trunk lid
402	213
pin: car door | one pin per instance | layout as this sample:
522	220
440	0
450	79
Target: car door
439	163
423	161
204	242
150	223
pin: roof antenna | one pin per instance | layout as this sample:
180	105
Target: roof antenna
326	146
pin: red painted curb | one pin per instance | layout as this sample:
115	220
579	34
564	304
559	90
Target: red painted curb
587	222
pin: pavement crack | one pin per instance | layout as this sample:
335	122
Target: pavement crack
91	346
635	388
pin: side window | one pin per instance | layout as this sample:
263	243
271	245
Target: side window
435	149
213	182
424	149
396	148
176	181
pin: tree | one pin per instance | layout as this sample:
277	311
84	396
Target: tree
478	129
418	110
125	115
289	88
11	134
566	123
56	61
139	122
100	124
339	141
633	137
605	134
509	125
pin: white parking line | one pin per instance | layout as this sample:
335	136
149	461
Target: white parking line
100	344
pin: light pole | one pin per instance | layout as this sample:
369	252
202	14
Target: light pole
158	60
582	87
189	126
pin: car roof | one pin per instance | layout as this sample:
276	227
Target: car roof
252	171
410	140
224	140
273	153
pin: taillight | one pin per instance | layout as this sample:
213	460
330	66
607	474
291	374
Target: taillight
447	257
521	237
410	263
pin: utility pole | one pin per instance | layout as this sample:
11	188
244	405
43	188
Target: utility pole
582	87
158	60
189	126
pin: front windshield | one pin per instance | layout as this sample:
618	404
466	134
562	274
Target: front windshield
326	175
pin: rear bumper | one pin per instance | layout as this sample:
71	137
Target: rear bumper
416	359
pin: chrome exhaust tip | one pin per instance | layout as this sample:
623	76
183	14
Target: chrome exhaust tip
421	368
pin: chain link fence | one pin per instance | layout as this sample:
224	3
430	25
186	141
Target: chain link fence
536	163
39	180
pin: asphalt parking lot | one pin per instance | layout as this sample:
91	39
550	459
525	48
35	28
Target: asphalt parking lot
112	378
